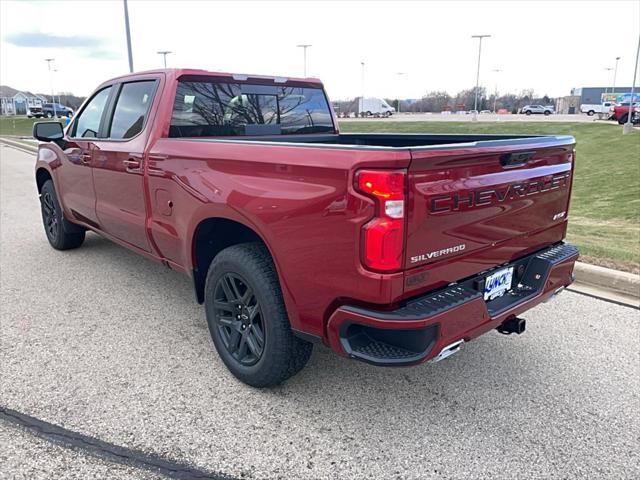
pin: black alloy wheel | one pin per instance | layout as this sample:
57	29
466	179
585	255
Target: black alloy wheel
50	216
239	319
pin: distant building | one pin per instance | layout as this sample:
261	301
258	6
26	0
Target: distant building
15	102
593	95
568	105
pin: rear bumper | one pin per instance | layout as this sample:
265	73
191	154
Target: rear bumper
420	329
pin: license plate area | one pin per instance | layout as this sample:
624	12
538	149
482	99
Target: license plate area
498	283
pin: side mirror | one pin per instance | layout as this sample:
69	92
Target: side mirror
48	131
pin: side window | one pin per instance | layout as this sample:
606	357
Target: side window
88	123
131	109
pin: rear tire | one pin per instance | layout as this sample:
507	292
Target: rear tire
528	112
247	318
623	119
62	234
591	113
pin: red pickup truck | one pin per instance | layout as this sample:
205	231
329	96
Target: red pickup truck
620	112
390	249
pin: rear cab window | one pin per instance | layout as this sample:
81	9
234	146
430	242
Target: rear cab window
205	108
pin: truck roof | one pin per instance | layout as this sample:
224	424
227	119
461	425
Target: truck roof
239	77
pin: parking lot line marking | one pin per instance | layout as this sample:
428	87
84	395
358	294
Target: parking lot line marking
105	450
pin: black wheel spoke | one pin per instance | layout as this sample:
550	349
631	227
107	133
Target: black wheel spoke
256	329
228	289
238	315
253	345
227	321
224	306
253	312
242	348
233	281
234	339
247	298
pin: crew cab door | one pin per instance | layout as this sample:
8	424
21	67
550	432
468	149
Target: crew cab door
118	164
75	183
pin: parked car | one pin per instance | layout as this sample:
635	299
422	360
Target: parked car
51	109
533	109
389	249
592	109
621	113
35	112
485	112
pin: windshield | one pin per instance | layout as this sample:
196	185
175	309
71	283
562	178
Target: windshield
204	109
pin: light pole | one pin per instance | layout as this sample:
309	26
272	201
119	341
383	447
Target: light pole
628	127
399	76
164	54
495	96
362	90
126	26
615	74
53	99
479	37
304	47
608	69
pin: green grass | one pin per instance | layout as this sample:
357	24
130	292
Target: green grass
19	126
605	206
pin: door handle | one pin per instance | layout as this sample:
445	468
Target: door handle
85	158
515	159
131	165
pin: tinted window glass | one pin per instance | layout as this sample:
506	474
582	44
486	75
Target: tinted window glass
228	109
88	123
131	109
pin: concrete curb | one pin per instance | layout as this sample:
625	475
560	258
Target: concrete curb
19	145
608	279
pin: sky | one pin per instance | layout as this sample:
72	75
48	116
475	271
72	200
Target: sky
408	48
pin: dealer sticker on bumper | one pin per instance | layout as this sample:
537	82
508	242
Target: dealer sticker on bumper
498	283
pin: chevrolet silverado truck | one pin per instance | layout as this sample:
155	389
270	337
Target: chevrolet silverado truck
389	249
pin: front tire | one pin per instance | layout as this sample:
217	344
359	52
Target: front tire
623	119
48	115
247	318
62	235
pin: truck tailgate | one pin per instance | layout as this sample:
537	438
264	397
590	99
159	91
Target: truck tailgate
465	200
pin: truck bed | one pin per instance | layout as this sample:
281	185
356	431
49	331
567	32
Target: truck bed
393	140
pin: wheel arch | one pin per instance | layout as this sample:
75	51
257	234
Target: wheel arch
210	237
42	175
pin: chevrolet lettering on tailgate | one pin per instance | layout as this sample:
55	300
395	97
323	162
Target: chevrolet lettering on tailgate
477	198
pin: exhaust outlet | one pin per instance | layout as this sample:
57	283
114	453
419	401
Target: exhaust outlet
513	325
448	351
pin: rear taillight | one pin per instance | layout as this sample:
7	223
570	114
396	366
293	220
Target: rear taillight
383	236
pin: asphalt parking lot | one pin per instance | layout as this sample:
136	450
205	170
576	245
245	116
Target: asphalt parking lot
105	343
